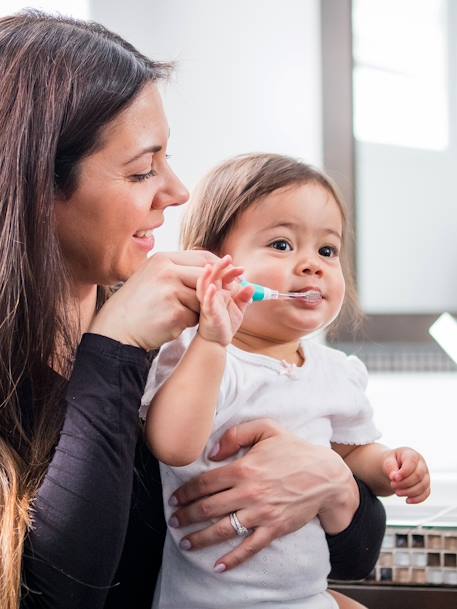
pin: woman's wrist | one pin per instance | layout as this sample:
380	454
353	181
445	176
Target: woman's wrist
341	502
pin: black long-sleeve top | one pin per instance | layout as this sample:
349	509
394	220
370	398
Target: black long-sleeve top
99	527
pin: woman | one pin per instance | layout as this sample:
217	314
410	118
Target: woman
84	181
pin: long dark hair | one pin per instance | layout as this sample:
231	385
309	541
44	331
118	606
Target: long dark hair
61	82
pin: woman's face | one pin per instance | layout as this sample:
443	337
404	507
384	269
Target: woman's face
105	228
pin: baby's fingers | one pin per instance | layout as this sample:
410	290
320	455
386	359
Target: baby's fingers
219	269
208	305
419	498
417	493
243	298
230	274
408	460
420	473
203	282
390	465
260	539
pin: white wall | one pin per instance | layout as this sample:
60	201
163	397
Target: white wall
248	78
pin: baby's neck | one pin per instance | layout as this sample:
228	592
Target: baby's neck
288	351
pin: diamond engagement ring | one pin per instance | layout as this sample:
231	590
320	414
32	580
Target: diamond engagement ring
237	526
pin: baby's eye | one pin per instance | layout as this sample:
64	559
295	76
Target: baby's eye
282	245
328	251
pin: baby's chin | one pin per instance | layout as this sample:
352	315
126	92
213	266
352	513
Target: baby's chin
278	336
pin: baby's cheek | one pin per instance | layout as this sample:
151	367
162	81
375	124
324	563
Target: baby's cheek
271	277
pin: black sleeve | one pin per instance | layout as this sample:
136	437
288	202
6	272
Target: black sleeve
354	551
82	508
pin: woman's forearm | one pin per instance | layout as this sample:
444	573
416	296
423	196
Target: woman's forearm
82	508
341	504
355	550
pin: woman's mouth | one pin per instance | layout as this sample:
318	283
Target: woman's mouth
145	239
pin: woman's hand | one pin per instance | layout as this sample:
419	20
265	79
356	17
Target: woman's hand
277	487
156	303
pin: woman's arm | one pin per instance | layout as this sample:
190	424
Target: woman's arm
354	551
81	511
280	484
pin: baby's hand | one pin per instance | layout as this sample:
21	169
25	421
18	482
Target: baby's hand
222	302
408	474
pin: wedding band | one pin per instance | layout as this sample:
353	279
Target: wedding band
237	526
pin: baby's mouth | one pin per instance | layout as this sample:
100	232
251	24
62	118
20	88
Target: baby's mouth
309	295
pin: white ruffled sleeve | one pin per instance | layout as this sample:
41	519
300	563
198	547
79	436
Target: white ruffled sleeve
163	365
353	424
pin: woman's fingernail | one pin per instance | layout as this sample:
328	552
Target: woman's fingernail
174	522
185	544
220	567
173	501
214	450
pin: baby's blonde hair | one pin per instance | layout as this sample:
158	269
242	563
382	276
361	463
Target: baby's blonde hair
236	184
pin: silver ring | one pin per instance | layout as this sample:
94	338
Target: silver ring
237	526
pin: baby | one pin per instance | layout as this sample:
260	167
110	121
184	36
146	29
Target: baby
280	223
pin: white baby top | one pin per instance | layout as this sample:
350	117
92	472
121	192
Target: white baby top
323	401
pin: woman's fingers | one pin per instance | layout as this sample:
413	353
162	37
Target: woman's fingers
222	530
156	303
196	258
260	539
208	483
225	477
214	506
244	435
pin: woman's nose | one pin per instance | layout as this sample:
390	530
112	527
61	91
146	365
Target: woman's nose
172	193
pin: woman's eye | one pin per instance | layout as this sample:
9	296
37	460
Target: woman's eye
328	251
281	245
140	177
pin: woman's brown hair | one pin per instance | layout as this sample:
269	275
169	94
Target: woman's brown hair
61	81
236	184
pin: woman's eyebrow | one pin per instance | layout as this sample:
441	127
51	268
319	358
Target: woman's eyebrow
152	149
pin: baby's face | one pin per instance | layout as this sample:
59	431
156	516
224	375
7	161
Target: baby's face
290	241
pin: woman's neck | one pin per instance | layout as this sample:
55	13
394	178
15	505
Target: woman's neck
287	351
85	298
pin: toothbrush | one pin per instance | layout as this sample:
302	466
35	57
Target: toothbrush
261	292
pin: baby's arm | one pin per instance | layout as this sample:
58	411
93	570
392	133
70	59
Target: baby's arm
180	416
402	471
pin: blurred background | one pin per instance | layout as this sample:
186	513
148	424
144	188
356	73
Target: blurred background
366	90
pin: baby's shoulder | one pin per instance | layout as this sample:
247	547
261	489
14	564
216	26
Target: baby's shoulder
336	363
